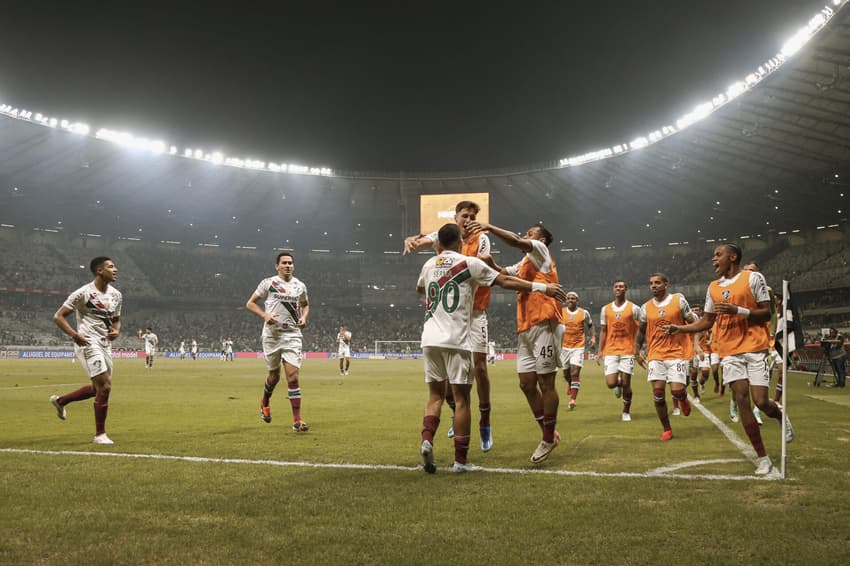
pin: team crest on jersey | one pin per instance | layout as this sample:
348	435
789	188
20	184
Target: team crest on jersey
444	262
726	294
618	316
278	288
661	313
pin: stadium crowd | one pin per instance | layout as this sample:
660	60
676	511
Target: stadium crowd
199	294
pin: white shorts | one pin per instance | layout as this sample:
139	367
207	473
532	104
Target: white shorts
478	336
624	363
443	364
344	351
777	358
705	362
96	358
150	350
287	348
572	357
671	371
715	358
539	348
752	367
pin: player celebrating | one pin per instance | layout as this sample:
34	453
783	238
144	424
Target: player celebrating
151	341
97	308
539	329
448	281
740	304
618	325
285	314
667	355
577	327
475	243
343	342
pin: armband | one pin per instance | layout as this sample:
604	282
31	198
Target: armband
538	287
744	312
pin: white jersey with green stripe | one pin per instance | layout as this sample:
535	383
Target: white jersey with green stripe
449	280
284	299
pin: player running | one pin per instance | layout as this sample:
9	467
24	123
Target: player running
577	327
97	307
618	326
740	305
285	314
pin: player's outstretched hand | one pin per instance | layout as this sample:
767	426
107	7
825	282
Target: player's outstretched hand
671	329
640	360
556	291
409	245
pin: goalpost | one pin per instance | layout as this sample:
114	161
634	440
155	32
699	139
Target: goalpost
398	348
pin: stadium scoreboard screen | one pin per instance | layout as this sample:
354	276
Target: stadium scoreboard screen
436	210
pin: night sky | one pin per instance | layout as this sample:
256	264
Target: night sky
391	86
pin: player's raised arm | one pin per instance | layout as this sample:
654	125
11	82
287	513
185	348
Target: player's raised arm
507	236
516	284
416	242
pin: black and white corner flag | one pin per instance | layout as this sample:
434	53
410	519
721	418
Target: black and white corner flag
789	321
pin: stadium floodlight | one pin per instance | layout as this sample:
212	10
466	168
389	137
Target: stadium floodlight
702	111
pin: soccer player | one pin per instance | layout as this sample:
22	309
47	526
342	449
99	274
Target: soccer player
194	349
228	349
475	243
151	341
448	282
343	341
182	350
540	329
285	314
577	327
97	308
740	305
491	352
618	325
667	356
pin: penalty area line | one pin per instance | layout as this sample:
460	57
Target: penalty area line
665	473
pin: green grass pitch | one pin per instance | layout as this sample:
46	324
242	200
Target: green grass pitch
260	493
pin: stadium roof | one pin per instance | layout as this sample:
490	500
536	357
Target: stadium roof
774	159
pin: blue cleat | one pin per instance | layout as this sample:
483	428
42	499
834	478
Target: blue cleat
486	433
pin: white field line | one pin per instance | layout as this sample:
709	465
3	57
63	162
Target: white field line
745	447
657	473
39	386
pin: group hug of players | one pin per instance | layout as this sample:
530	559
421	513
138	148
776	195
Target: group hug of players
664	335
